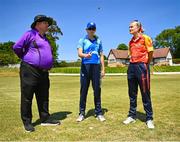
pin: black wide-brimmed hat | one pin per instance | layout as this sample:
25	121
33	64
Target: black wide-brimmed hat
41	18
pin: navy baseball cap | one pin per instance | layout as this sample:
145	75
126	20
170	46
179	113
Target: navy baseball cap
91	25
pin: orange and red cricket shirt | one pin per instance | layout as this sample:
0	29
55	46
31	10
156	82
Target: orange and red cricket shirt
139	48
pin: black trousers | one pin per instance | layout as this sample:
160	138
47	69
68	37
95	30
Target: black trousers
90	72
32	81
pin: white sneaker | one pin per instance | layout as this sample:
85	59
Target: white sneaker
150	124
101	118
129	120
80	118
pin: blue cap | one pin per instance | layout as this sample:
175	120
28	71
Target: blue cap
91	25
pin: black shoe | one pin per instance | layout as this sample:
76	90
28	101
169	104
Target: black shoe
50	123
29	128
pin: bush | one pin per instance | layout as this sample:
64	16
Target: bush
166	68
176	61
67	64
6	59
65	70
77	70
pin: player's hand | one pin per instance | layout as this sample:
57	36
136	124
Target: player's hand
102	73
88	55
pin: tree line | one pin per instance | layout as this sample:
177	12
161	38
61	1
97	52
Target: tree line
167	38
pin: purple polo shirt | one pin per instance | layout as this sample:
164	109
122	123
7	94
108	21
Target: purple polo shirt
28	52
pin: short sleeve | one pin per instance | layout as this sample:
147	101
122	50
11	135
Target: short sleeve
148	43
80	43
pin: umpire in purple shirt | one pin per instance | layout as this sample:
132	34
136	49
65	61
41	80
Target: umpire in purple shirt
36	54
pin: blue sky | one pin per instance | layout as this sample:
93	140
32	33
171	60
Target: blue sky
112	18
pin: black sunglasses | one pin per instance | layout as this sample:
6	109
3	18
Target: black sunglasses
91	29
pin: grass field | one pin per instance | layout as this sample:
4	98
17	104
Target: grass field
64	101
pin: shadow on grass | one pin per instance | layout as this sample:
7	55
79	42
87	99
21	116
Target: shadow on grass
57	116
91	112
141	116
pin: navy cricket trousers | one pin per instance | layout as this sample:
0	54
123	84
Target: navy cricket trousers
90	72
139	74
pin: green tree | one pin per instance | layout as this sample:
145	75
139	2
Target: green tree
7	55
169	38
122	46
105	58
53	35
